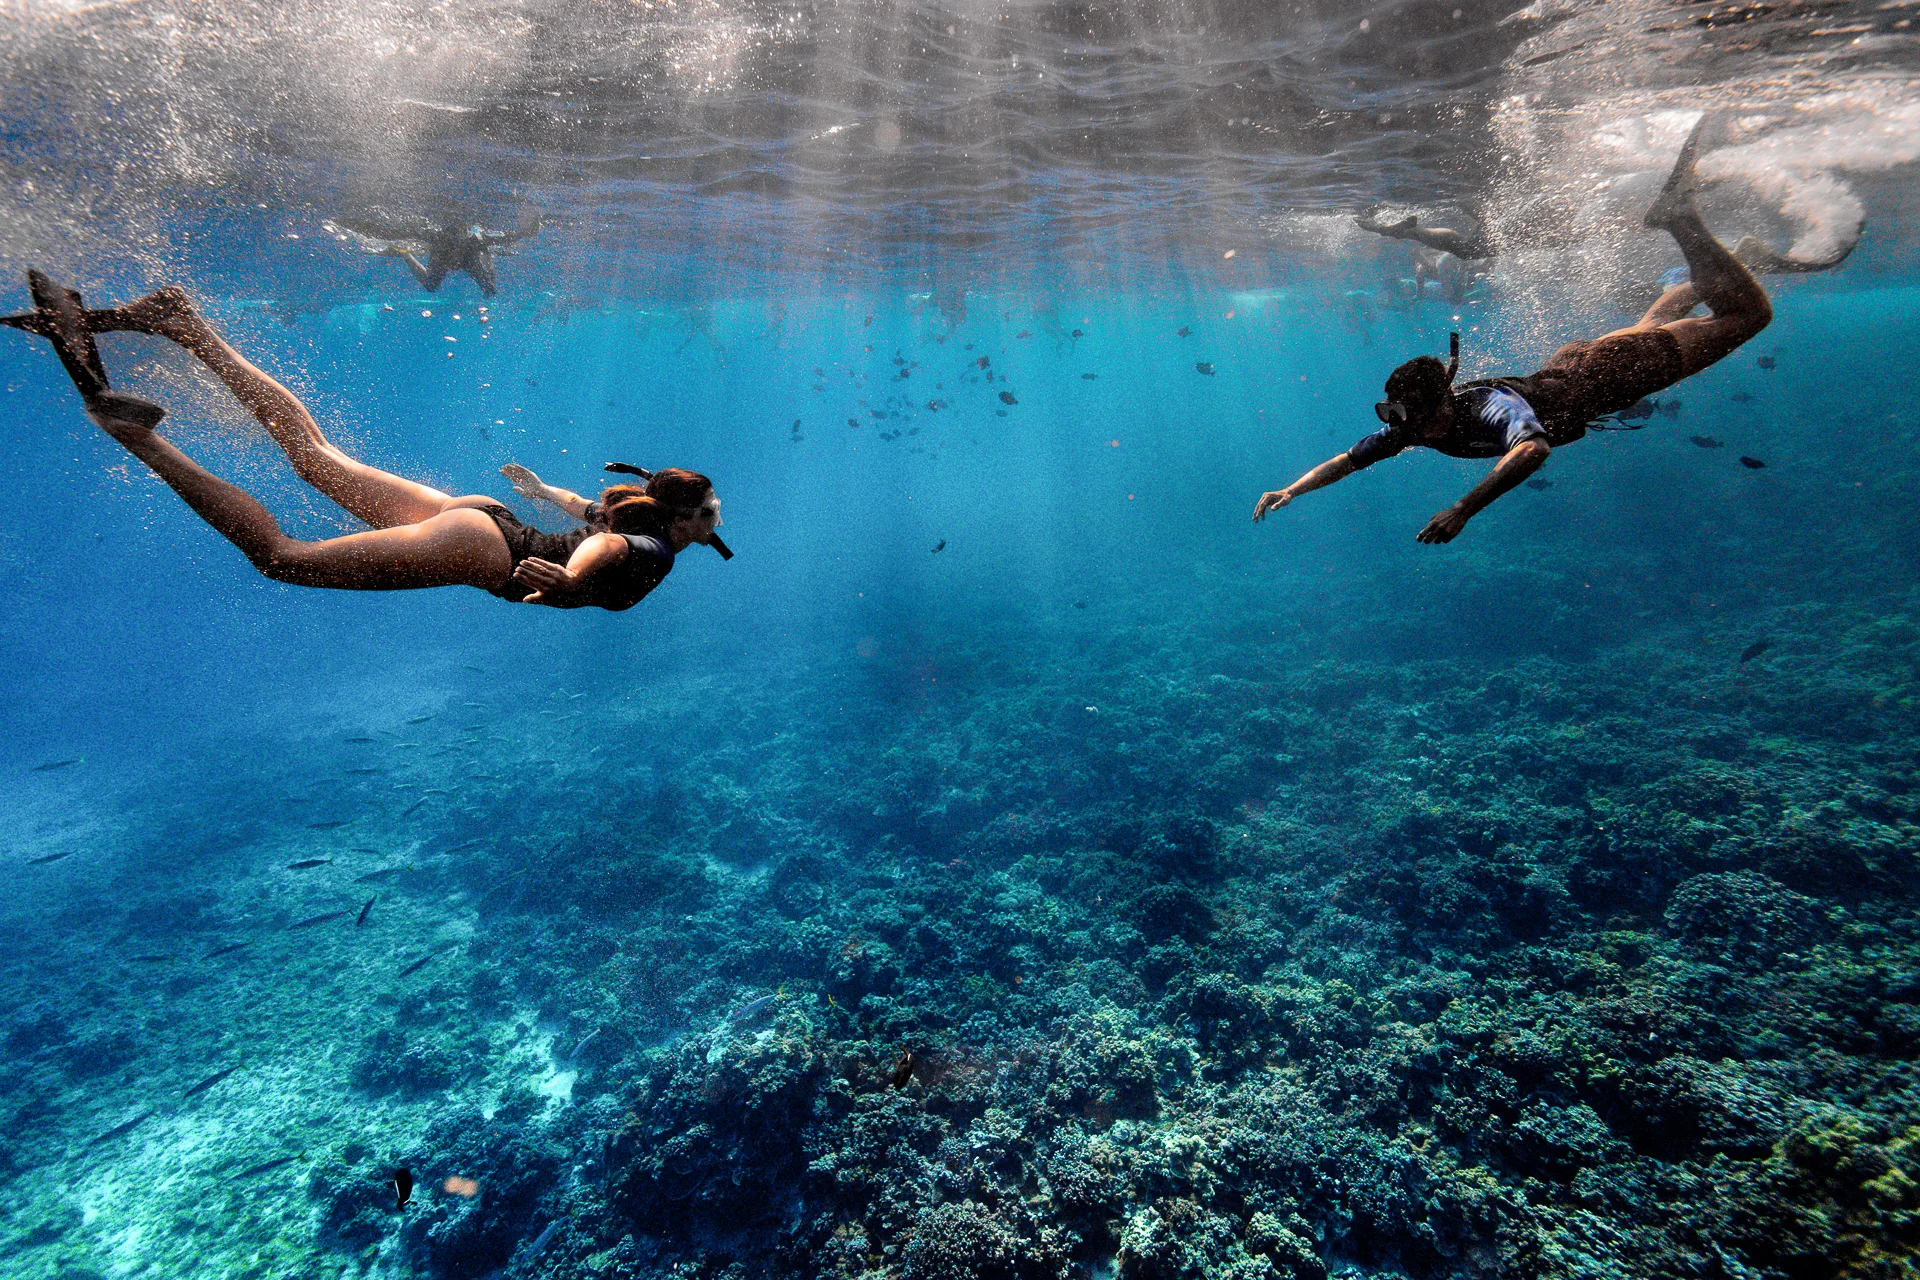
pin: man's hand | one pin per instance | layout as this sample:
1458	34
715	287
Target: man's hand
1271	502
552	583
1444	527
525	483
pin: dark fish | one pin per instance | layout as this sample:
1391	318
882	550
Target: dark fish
320	919
419	964
540	1242
1708	442
46	858
1751	464
1203	366
363	911
1183	331
270	1165
363	739
1766	362
468	666
402	1184
1670	408
1539	482
853	422
1079	333
307	864
419	719
1754	650
1006	397
902	1071
1089	377
1079	604
940	546
1741	397
1024	333
209	1082
467	844
51	765
153	959
364	849
381	874
364	773
983	362
229	949
1638	411
122	1129
326	826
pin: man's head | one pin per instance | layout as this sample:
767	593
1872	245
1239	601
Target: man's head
1419	392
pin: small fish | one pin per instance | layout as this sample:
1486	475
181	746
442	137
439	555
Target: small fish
209	1082
468	666
1754	650
126	1128
1638	411
540	1242
51	765
587	1040
363	773
1751	464
229	949
1708	442
363	740
474	843
1079	333
44	859
1741	397
1670	408
853	422
1024	333
307	864
1183	332
419	964
420	719
363	849
1539	482
1766	362
155	959
983	362
381	874
1089	377
1079	604
940	546
1007	397
1203	366
364	910
902	1071
752	1007
402	1184
320	919
267	1167
327	826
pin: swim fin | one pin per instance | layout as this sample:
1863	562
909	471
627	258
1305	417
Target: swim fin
59	317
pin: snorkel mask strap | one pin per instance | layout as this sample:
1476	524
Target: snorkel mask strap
628	469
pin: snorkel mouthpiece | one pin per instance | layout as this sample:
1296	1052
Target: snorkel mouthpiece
628	469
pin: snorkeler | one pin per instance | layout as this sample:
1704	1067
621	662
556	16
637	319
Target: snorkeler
449	248
1468	246
1518	420
421	537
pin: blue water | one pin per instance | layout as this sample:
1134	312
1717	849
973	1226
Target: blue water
1014	862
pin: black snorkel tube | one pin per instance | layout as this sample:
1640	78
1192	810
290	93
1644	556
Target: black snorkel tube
726	552
1453	356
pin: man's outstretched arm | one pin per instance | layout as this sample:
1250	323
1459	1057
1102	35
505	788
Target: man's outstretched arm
1337	468
1520	462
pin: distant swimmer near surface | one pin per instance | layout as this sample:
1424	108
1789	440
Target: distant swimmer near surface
421	537
1518	420
449	248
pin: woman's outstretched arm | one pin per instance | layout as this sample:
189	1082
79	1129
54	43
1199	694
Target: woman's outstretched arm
529	485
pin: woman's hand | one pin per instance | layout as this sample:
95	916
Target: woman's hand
1271	502
525	483
552	584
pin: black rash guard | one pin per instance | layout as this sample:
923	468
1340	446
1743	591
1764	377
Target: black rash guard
648	561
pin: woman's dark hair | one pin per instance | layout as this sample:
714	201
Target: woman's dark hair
672	493
1420	384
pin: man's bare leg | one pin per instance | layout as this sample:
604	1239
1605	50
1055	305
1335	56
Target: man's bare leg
1740	306
457	548
378	497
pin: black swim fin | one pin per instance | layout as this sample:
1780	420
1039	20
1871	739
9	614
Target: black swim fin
59	317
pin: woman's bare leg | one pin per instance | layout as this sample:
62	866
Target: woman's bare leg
458	548
378	497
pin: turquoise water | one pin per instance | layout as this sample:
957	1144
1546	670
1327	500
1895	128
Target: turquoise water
1014	862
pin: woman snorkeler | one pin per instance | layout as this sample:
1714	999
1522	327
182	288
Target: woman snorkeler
421	537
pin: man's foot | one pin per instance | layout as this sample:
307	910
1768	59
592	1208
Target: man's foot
1675	200
164	313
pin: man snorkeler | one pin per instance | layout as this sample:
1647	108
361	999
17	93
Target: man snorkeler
449	248
1519	420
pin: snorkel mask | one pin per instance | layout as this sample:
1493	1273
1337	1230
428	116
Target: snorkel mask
1407	379
628	469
